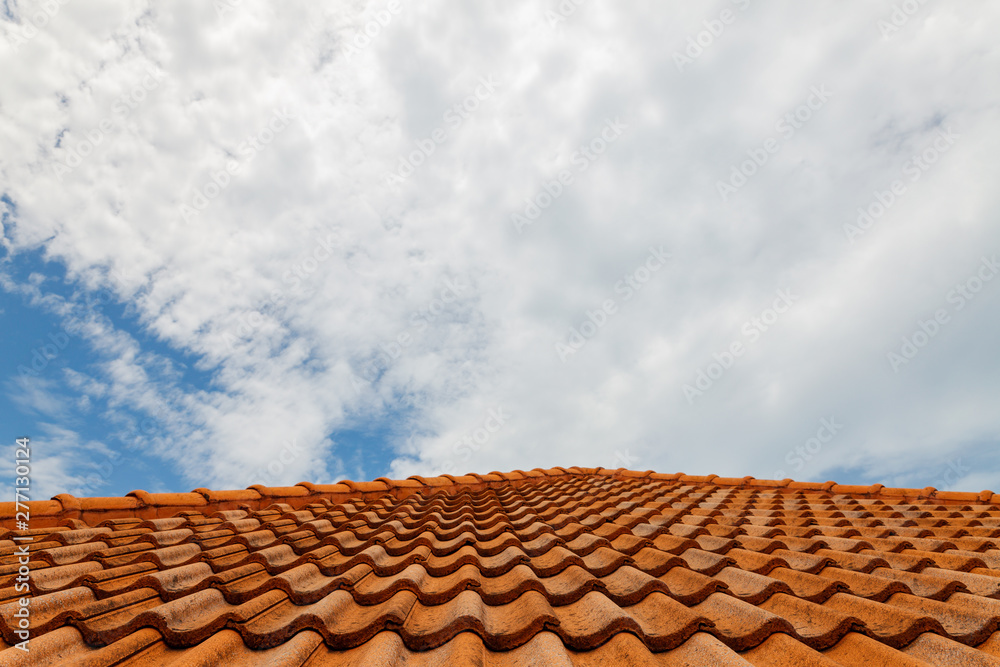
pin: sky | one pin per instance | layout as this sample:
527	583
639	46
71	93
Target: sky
249	242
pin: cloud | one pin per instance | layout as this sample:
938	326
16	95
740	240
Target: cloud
310	287
35	395
63	462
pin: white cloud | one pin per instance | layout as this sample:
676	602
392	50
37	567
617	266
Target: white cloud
60	461
35	395
287	323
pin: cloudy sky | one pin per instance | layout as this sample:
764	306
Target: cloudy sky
250	242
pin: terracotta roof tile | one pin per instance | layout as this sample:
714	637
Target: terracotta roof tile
560	566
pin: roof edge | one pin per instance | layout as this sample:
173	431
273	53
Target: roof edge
141	504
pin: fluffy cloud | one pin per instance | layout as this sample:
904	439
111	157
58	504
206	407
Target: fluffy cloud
61	461
331	229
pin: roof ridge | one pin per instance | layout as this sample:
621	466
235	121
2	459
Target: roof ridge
143	504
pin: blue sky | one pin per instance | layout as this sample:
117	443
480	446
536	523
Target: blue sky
243	245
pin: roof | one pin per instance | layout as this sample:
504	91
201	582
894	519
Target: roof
576	566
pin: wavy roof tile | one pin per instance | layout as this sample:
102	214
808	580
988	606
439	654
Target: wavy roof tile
574	566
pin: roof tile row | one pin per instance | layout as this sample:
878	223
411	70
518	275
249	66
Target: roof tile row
142	503
562	566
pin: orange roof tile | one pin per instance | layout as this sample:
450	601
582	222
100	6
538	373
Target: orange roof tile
566	566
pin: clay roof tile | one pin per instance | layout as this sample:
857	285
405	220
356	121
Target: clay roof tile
192	499
969	497
235	495
126	503
698	479
567	566
280	491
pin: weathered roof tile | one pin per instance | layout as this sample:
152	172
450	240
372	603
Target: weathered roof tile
566	566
